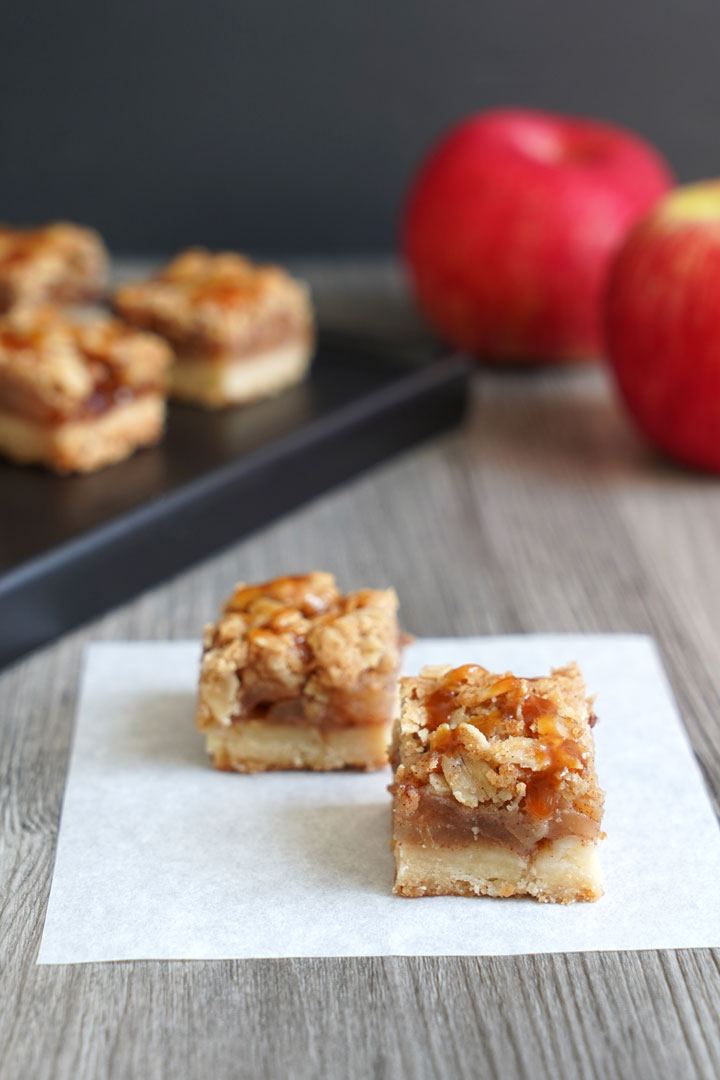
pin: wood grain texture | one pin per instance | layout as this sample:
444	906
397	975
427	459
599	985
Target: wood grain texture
544	513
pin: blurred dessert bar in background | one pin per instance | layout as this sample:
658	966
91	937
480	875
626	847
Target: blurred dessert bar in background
239	331
296	675
495	788
58	263
77	395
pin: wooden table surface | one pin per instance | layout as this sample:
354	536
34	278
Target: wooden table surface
545	512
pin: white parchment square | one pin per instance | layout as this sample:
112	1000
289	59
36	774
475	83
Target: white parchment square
161	857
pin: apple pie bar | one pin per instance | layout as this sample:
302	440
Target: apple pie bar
296	675
58	263
239	331
76	395
495	791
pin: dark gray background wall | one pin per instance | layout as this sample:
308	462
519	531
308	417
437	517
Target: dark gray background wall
293	126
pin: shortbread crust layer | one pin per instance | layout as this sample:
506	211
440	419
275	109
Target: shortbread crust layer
558	871
237	381
256	746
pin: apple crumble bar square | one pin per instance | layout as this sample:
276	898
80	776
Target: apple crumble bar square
239	331
495	790
58	263
77	395
296	675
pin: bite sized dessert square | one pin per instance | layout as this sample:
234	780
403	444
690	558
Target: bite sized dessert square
239	331
58	263
296	675
495	791
78	394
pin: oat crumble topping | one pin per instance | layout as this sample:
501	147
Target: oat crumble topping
481	738
296	637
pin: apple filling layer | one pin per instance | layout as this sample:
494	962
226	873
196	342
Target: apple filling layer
438	821
493	771
297	675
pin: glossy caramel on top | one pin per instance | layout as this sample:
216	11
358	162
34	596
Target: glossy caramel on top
498	740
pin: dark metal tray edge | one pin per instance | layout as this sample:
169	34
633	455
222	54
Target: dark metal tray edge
55	592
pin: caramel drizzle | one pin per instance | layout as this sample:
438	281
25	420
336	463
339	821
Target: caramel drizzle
507	700
225	293
293	590
441	704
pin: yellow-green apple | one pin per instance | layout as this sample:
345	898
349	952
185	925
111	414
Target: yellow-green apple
663	324
511	224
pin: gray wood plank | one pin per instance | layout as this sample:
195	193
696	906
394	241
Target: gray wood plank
545	512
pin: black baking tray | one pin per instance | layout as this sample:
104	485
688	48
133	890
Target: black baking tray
72	547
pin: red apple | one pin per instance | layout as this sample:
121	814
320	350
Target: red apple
663	324
511	225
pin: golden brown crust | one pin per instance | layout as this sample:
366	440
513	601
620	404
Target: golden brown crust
227	381
59	263
296	650
559	871
209	304
55	367
256	746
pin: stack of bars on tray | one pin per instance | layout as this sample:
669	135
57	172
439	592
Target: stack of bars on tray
494	790
80	390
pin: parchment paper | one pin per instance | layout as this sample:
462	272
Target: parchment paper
160	856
